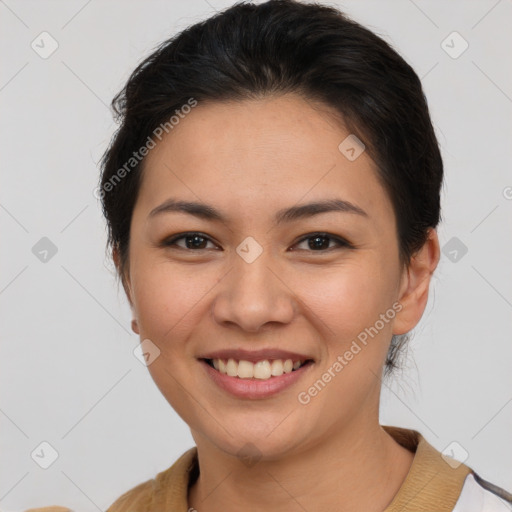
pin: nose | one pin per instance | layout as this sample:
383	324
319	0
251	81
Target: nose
253	295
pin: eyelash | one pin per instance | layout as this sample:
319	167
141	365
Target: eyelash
342	243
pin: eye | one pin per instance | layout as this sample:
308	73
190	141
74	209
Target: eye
320	242
192	240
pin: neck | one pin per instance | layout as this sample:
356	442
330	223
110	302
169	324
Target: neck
354	468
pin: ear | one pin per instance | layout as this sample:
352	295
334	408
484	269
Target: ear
125	279
415	284
116	256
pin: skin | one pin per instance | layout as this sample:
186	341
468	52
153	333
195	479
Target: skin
250	159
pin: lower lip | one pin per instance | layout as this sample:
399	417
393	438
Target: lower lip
254	388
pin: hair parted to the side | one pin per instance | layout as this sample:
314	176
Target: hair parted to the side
280	46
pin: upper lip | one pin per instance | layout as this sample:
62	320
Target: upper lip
255	355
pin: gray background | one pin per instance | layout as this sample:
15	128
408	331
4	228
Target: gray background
68	373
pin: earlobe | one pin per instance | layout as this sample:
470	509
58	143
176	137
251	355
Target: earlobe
415	284
135	326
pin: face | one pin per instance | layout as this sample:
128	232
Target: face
253	274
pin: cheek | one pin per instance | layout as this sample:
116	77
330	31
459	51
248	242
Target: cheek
168	299
350	297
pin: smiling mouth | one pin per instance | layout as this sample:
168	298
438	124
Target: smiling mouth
263	370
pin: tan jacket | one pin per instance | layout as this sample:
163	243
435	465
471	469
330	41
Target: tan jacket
434	483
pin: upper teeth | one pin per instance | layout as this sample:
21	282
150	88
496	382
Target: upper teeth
260	370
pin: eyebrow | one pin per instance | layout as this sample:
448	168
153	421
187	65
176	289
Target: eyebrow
207	212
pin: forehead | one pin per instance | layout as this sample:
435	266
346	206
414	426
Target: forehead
271	129
253	153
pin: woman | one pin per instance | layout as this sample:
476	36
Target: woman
272	197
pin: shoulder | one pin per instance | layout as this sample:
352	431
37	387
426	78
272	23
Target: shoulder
436	481
478	495
167	491
136	499
50	508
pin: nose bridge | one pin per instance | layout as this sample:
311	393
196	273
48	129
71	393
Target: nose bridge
251	294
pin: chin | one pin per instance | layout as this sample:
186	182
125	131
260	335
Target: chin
263	440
